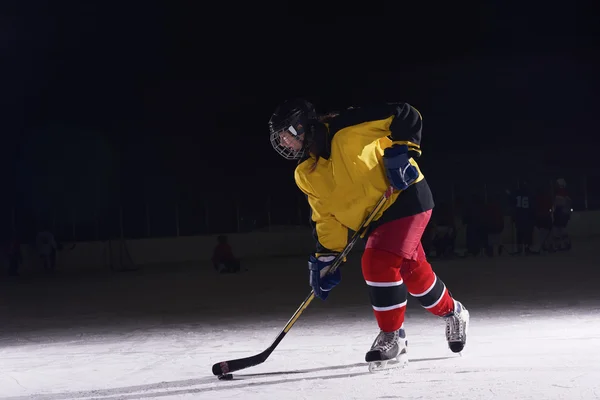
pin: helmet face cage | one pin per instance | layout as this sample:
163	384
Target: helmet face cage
287	127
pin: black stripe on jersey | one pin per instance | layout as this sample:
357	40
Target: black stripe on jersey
431	297
387	296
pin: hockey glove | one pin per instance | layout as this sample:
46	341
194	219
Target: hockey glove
400	172
322	286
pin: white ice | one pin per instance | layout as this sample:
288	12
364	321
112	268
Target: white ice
154	334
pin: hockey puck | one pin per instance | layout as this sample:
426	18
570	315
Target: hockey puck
226	377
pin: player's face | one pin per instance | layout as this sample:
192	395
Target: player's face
291	141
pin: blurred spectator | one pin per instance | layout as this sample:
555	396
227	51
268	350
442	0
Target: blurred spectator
523	217
562	215
46	247
14	255
223	259
494	226
473	218
543	221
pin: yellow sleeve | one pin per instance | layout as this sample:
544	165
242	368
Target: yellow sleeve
400	122
329	234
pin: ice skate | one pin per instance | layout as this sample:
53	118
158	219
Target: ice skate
457	325
386	347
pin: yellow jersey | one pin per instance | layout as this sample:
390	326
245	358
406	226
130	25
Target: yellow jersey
344	185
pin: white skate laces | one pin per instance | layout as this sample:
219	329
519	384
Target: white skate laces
456	324
454	329
385	341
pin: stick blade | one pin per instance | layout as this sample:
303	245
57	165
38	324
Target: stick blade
226	367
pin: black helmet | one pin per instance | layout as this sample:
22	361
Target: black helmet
290	125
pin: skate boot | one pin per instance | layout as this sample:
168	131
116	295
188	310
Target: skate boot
457	325
387	346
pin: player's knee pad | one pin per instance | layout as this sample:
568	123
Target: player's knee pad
380	265
415	271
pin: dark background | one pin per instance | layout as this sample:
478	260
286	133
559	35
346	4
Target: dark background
122	118
144	119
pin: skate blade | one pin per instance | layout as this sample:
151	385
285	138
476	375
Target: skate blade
399	362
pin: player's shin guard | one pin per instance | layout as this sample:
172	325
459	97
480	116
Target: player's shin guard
424	284
381	271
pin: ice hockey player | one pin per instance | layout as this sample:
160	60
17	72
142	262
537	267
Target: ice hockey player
523	217
346	161
561	216
543	221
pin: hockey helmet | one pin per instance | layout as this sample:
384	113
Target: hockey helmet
291	127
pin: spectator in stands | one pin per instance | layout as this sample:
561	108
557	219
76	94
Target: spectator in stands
543	221
14	255
561	216
523	217
473	218
494	226
47	247
223	260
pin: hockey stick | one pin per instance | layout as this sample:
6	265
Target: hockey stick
224	368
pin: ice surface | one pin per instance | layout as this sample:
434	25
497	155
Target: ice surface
155	333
